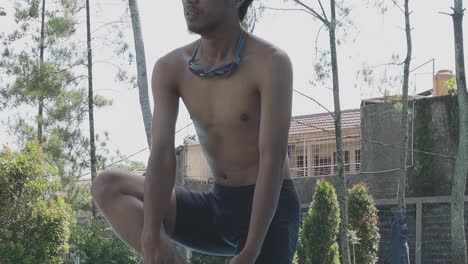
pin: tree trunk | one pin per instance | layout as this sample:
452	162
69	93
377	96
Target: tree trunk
461	164
40	118
342	189
141	69
404	114
92	145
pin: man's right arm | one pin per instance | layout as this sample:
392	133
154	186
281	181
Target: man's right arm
160	173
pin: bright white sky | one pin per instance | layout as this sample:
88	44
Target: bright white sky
373	40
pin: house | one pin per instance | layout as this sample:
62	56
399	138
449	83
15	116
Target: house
311	147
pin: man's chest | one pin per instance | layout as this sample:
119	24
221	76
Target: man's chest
221	102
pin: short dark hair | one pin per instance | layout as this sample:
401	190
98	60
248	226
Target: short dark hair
243	9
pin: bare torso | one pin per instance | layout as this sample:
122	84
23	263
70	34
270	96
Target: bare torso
226	114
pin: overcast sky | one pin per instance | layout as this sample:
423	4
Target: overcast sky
373	39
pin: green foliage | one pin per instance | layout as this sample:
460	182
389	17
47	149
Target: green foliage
451	85
33	218
253	15
52	81
93	243
128	165
199	258
321	225
299	255
424	164
363	220
333	256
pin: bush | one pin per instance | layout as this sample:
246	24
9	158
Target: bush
333	256
33	219
299	256
363	221
199	258
321	225
92	243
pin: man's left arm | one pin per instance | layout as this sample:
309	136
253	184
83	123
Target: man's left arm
275	118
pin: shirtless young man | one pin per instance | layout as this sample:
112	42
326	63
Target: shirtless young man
242	116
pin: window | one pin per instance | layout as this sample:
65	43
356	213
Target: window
316	164
290	150
357	159
322	166
302	165
347	166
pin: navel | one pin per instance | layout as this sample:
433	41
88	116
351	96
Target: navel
244	117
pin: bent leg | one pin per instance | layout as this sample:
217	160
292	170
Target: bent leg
119	196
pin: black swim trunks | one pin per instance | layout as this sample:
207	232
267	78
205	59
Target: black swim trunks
217	222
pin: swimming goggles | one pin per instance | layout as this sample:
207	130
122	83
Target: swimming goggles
220	70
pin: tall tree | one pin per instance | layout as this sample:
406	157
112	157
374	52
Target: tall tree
44	76
461	164
331	22
41	61
55	82
343	197
404	112
141	68
90	101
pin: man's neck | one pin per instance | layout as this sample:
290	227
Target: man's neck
219	44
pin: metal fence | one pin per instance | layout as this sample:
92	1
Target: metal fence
318	157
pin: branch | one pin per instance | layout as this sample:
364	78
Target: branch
106	24
110	63
397	5
316	40
443	13
345	15
68	67
314	13
289	9
77	77
326	109
323	10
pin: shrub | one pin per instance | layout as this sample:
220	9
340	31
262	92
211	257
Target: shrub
93	243
320	226
33	219
199	258
299	256
363	221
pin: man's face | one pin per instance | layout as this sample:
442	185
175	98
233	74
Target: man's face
205	15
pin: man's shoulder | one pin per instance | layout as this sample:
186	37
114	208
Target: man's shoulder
173	60
265	51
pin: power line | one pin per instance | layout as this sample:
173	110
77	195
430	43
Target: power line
131	155
312	126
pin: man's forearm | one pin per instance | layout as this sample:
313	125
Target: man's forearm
265	202
159	182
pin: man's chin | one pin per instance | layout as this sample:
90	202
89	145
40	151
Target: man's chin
194	30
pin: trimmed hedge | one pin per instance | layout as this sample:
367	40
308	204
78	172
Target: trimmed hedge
363	220
321	225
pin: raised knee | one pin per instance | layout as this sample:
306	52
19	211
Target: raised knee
104	183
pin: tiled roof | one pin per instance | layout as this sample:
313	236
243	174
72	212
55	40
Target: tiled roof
324	121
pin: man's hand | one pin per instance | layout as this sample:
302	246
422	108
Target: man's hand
159	253
244	258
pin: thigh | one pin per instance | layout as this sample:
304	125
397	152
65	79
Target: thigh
279	245
195	223
115	182
281	239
